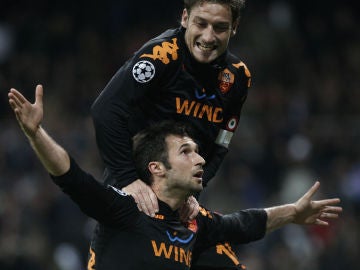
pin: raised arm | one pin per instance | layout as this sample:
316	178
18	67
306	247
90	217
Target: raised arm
304	211
29	116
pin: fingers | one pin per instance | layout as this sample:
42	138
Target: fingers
39	95
321	222
189	210
328	212
147	201
144	197
16	99
327	205
312	190
329	215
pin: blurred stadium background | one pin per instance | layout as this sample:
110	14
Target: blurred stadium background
301	122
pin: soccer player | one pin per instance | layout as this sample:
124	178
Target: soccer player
185	74
168	160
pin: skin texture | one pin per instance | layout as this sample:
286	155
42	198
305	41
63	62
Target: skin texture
209	27
184	178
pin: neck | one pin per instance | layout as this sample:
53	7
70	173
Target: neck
175	198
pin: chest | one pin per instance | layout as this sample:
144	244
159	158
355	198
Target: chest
157	243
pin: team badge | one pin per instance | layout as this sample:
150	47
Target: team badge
232	124
226	79
192	226
143	71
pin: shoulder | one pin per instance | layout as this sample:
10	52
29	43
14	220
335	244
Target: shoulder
163	49
237	64
237	69
160	55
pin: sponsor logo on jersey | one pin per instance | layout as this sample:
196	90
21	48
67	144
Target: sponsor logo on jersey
143	71
173	238
199	110
226	80
203	95
165	52
172	252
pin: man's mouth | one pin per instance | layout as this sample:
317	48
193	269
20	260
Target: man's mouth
199	174
206	47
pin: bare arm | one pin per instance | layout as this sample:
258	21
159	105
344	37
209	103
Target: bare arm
304	211
29	116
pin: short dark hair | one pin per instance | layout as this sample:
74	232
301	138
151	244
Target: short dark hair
236	6
150	145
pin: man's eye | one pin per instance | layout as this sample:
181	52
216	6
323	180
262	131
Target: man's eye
202	25
221	28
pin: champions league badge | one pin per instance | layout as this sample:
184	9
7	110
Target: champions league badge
143	71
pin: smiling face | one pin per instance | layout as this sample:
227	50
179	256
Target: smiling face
186	164
209	27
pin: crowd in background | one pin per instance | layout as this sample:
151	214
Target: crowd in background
300	123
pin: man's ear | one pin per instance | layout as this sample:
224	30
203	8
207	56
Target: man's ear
184	18
234	28
156	168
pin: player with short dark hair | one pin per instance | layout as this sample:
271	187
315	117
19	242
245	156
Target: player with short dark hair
128	239
184	74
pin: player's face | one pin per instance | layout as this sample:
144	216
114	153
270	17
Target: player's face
208	30
186	170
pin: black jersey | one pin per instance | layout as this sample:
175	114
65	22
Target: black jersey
163	81
126	238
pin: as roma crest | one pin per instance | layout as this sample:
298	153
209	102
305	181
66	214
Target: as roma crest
226	80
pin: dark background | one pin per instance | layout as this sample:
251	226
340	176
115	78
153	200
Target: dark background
301	122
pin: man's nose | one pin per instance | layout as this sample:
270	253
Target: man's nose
208	34
200	160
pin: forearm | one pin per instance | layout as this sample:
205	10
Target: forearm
279	216
113	139
213	163
52	156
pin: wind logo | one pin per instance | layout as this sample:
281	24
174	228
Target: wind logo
162	52
182	241
199	110
172	252
203	95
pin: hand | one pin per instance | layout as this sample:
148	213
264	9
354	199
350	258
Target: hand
313	212
144	196
189	210
28	115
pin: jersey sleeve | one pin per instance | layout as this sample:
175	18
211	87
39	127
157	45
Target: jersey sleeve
235	83
117	112
239	228
106	204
